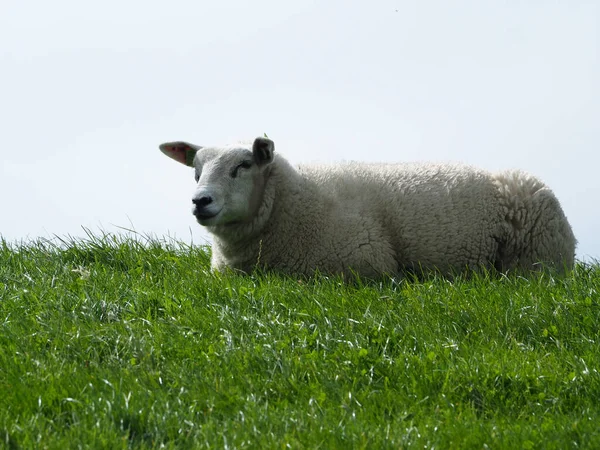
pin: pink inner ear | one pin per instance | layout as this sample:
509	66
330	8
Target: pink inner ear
179	154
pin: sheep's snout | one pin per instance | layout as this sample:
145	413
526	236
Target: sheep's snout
201	202
204	207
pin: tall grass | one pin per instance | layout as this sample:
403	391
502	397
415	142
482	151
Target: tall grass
114	342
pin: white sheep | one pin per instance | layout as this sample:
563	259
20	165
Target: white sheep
370	219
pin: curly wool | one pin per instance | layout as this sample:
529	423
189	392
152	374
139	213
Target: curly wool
375	219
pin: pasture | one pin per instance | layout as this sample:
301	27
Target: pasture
115	342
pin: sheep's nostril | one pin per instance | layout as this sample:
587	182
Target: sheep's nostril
202	201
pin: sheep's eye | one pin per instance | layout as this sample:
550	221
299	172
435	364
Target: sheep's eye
242	165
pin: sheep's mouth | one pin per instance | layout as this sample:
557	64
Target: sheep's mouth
204	217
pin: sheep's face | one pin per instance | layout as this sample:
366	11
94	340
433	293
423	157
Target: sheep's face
230	180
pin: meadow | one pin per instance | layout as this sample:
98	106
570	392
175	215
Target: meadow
113	342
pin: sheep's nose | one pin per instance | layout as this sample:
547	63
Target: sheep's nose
201	202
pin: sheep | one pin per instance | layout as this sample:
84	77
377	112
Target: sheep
369	219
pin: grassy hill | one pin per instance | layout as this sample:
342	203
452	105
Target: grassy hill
116	343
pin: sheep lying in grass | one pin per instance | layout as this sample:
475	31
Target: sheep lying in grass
370	219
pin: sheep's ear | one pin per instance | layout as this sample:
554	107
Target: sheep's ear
182	152
262	150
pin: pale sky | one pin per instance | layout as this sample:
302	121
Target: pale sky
88	90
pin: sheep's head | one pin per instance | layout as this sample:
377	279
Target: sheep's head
230	180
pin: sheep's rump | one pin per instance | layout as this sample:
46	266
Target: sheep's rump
536	232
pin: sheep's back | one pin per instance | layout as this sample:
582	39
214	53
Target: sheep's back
434	215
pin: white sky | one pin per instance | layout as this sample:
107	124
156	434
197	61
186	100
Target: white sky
89	89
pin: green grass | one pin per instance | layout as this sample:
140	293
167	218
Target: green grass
116	343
